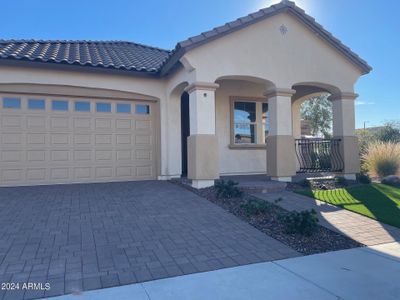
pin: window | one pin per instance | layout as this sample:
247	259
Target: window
142	109
103	107
123	108
250	121
59	105
11	103
82	106
36	104
245	122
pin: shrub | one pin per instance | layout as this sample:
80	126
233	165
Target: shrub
304	222
341	181
363	178
390	132
228	189
382	159
254	207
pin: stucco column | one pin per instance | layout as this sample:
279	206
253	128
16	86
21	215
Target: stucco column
281	156
203	167
343	105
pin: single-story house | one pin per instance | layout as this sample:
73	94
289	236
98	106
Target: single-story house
225	102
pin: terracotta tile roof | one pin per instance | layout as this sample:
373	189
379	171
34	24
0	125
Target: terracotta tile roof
140	58
113	54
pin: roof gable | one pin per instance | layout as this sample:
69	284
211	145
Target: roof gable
284	6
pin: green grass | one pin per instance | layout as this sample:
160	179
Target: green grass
377	201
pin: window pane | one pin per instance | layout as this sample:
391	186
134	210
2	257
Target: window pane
103	107
245	133
245	112
82	106
142	109
59	105
265	120
123	108
11	103
36	104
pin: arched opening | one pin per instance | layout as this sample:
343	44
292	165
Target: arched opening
185	131
316	149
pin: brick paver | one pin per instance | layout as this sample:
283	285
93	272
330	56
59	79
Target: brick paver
360	228
90	236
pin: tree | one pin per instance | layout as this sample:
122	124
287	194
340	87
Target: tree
318	111
390	132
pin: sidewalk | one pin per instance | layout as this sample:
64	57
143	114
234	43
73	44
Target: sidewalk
359	228
360	273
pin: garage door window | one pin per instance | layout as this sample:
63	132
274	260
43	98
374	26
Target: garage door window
82	106
59	105
142	109
103	107
124	108
11	103
36	104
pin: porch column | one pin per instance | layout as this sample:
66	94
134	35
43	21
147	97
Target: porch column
281	156
344	128
203	166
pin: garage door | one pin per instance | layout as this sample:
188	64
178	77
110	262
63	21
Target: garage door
48	140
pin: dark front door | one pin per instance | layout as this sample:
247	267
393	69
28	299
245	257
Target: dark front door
185	130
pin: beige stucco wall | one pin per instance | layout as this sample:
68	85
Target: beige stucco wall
260	50
236	161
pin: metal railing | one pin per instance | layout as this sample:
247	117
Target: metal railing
319	155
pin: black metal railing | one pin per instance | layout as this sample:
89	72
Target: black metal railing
319	155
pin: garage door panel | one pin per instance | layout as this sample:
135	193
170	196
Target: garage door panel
36	122
47	147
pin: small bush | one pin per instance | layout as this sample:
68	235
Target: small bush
254	207
228	189
363	178
382	159
341	181
305	183
304	222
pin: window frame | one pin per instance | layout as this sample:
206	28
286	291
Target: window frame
258	123
54	101
30	101
107	104
76	102
142	114
11	98
123	112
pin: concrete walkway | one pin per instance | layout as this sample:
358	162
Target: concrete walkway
360	273
359	228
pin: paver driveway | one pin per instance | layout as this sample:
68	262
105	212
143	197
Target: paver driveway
90	236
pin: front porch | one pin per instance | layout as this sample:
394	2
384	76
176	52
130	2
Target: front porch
240	126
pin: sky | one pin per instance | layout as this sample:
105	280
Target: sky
371	28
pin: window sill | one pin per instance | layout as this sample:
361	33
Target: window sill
247	147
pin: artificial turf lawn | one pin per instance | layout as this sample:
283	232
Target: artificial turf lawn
377	201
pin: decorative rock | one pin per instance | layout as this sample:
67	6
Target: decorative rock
392	180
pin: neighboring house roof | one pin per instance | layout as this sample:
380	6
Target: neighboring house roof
140	58
113	54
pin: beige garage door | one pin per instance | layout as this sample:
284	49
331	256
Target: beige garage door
48	140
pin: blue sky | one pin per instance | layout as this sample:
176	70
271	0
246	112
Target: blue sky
370	28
